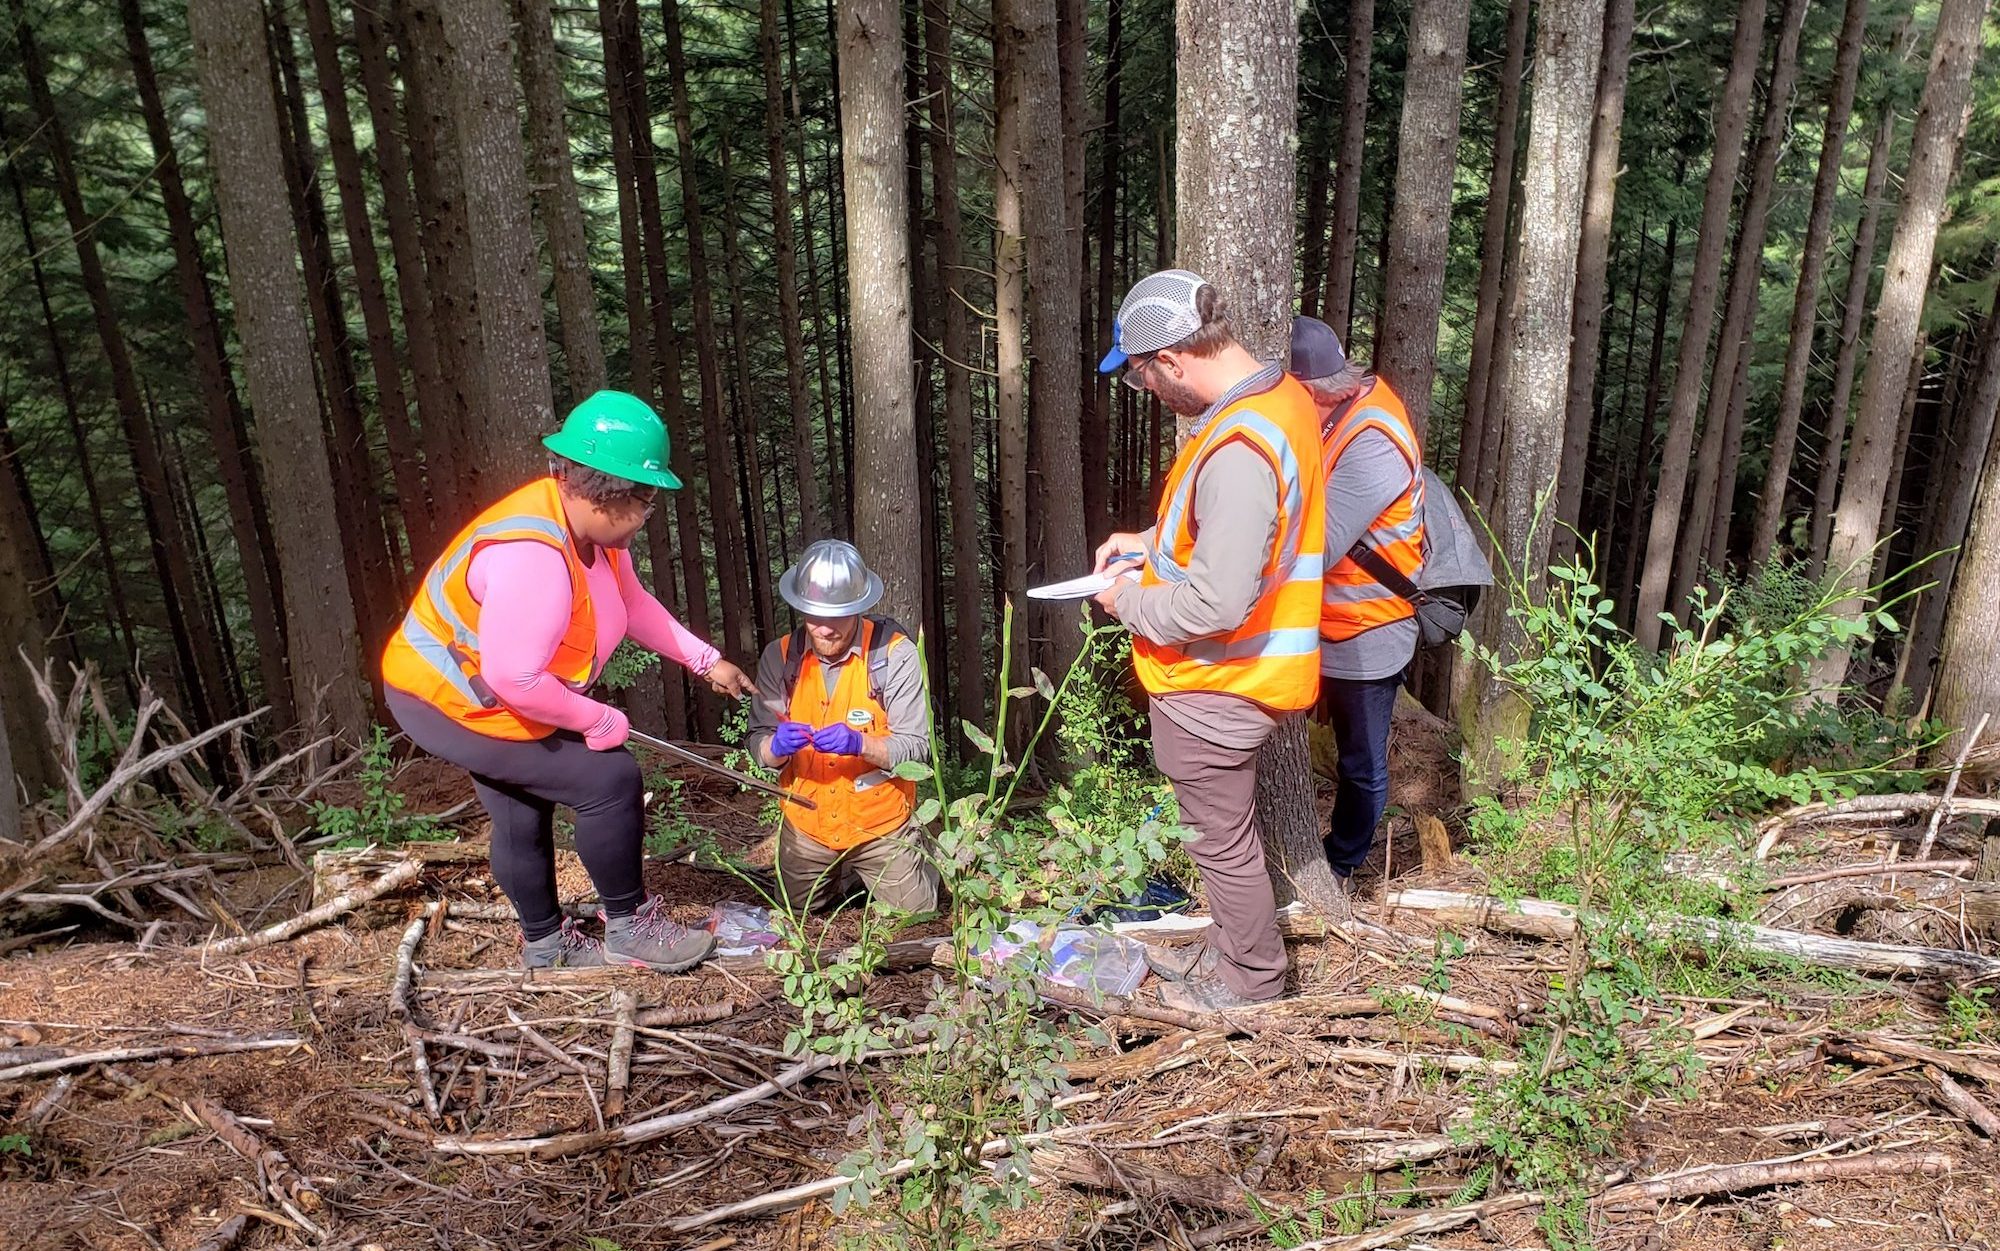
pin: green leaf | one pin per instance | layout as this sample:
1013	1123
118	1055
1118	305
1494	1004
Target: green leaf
927	811
979	737
1042	684
912	771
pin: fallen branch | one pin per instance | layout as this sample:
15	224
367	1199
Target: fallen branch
406	962
1950	1061
1436	1220
46	1106
1382	1157
1951	787
225	1236
1959	1100
1873	870
557	1146
1543	919
1077	1167
401	875
1773	828
284	1181
670	1015
166	1051
1757	1174
618	1067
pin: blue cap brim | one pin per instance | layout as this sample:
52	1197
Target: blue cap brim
1113	359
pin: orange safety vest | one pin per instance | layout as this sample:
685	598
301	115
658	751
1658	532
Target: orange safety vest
1273	657
855	802
1354	602
434	654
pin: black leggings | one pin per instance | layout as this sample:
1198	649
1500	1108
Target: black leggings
521	783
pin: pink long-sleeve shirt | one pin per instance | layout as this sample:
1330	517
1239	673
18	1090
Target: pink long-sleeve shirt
524	610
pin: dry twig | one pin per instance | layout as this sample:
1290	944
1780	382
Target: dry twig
400	875
1951	787
618	1069
165	1051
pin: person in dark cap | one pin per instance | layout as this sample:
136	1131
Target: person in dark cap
1368	633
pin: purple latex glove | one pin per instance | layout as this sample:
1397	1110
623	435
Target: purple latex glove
837	740
789	737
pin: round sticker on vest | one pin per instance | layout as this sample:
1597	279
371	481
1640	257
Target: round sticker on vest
860	718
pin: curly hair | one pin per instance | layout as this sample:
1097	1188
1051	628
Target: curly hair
594	485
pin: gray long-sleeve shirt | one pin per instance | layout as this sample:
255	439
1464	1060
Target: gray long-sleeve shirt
905	697
1369	475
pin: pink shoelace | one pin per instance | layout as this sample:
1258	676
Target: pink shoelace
574	939
652	921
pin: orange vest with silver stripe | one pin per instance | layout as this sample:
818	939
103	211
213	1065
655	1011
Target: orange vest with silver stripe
434	654
855	802
1273	657
1354	602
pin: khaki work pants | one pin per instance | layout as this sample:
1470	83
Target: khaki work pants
892	868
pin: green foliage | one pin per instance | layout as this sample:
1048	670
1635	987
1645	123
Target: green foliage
1971	1015
627	665
16	1144
379	819
1353	1211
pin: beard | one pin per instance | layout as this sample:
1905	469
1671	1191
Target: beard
1179	398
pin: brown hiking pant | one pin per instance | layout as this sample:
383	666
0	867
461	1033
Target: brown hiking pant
893	869
1217	790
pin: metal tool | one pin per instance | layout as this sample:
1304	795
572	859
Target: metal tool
702	762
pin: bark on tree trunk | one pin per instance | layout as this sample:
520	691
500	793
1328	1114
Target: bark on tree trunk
1476	440
1599	206
1109	183
1715	469
1420	218
1011	367
1860	265
27	761
506	272
1968	672
1642	458
835	509
555	194
194	645
1339	303
1568	46
1906	420
413	290
968	637
1235	178
228	38
886	524
211	369
1933	152
1053	294
811	514
758	557
1812	270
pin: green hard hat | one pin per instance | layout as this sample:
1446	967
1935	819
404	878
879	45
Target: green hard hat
619	434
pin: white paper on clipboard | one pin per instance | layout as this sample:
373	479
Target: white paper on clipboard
1082	588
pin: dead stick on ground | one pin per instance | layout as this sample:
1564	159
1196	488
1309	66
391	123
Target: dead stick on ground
563	1058
1434	1221
1872	870
420	1068
225	1236
45	1107
168	1051
1950	787
406	962
1960	1101
1723	1178
284	1181
398	876
618	1069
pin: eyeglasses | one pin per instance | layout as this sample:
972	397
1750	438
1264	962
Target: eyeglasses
1135	372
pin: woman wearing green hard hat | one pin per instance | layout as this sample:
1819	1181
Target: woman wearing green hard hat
491	666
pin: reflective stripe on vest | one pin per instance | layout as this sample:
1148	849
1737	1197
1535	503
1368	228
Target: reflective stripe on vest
434	654
855	802
1273	656
1353	602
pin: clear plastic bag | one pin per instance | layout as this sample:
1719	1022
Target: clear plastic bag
741	929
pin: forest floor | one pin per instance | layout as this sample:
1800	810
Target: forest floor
1336	1123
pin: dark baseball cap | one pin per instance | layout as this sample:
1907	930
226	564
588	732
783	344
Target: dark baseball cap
1316	351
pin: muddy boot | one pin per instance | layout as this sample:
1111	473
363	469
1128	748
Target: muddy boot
1204	995
567	948
650	939
1178	964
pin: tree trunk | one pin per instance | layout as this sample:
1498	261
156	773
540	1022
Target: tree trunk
212	381
506	272
727	517
1235	179
1906	420
1420	218
1568	47
1110	182
811	514
1732	118
107	552
413	288
1968	673
1010	418
195	530
1339	304
555	195
458	475
1962	462
1933	152
835	510
27	761
1592	277
1715	470
1812	269
195	648
968	636
924	334
277	365
758	556
1860	266
1319	180
1053	293
44	589
886	524
1477	440
1642	456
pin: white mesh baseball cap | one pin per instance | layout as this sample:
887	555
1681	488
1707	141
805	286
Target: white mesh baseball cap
1158	312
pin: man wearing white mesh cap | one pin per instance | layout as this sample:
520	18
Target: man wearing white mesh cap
1225	612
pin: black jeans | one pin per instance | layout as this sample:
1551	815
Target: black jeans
1359	711
521	783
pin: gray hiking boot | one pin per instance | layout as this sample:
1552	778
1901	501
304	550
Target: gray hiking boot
1178	964
1207	994
650	939
567	948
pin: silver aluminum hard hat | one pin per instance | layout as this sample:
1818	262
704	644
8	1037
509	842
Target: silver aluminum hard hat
830	580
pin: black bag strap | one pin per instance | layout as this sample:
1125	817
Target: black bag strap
1388	575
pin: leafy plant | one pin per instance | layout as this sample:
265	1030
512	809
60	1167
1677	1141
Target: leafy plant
379	818
1970	1015
16	1144
628	663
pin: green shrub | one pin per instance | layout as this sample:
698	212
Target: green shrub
380	818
